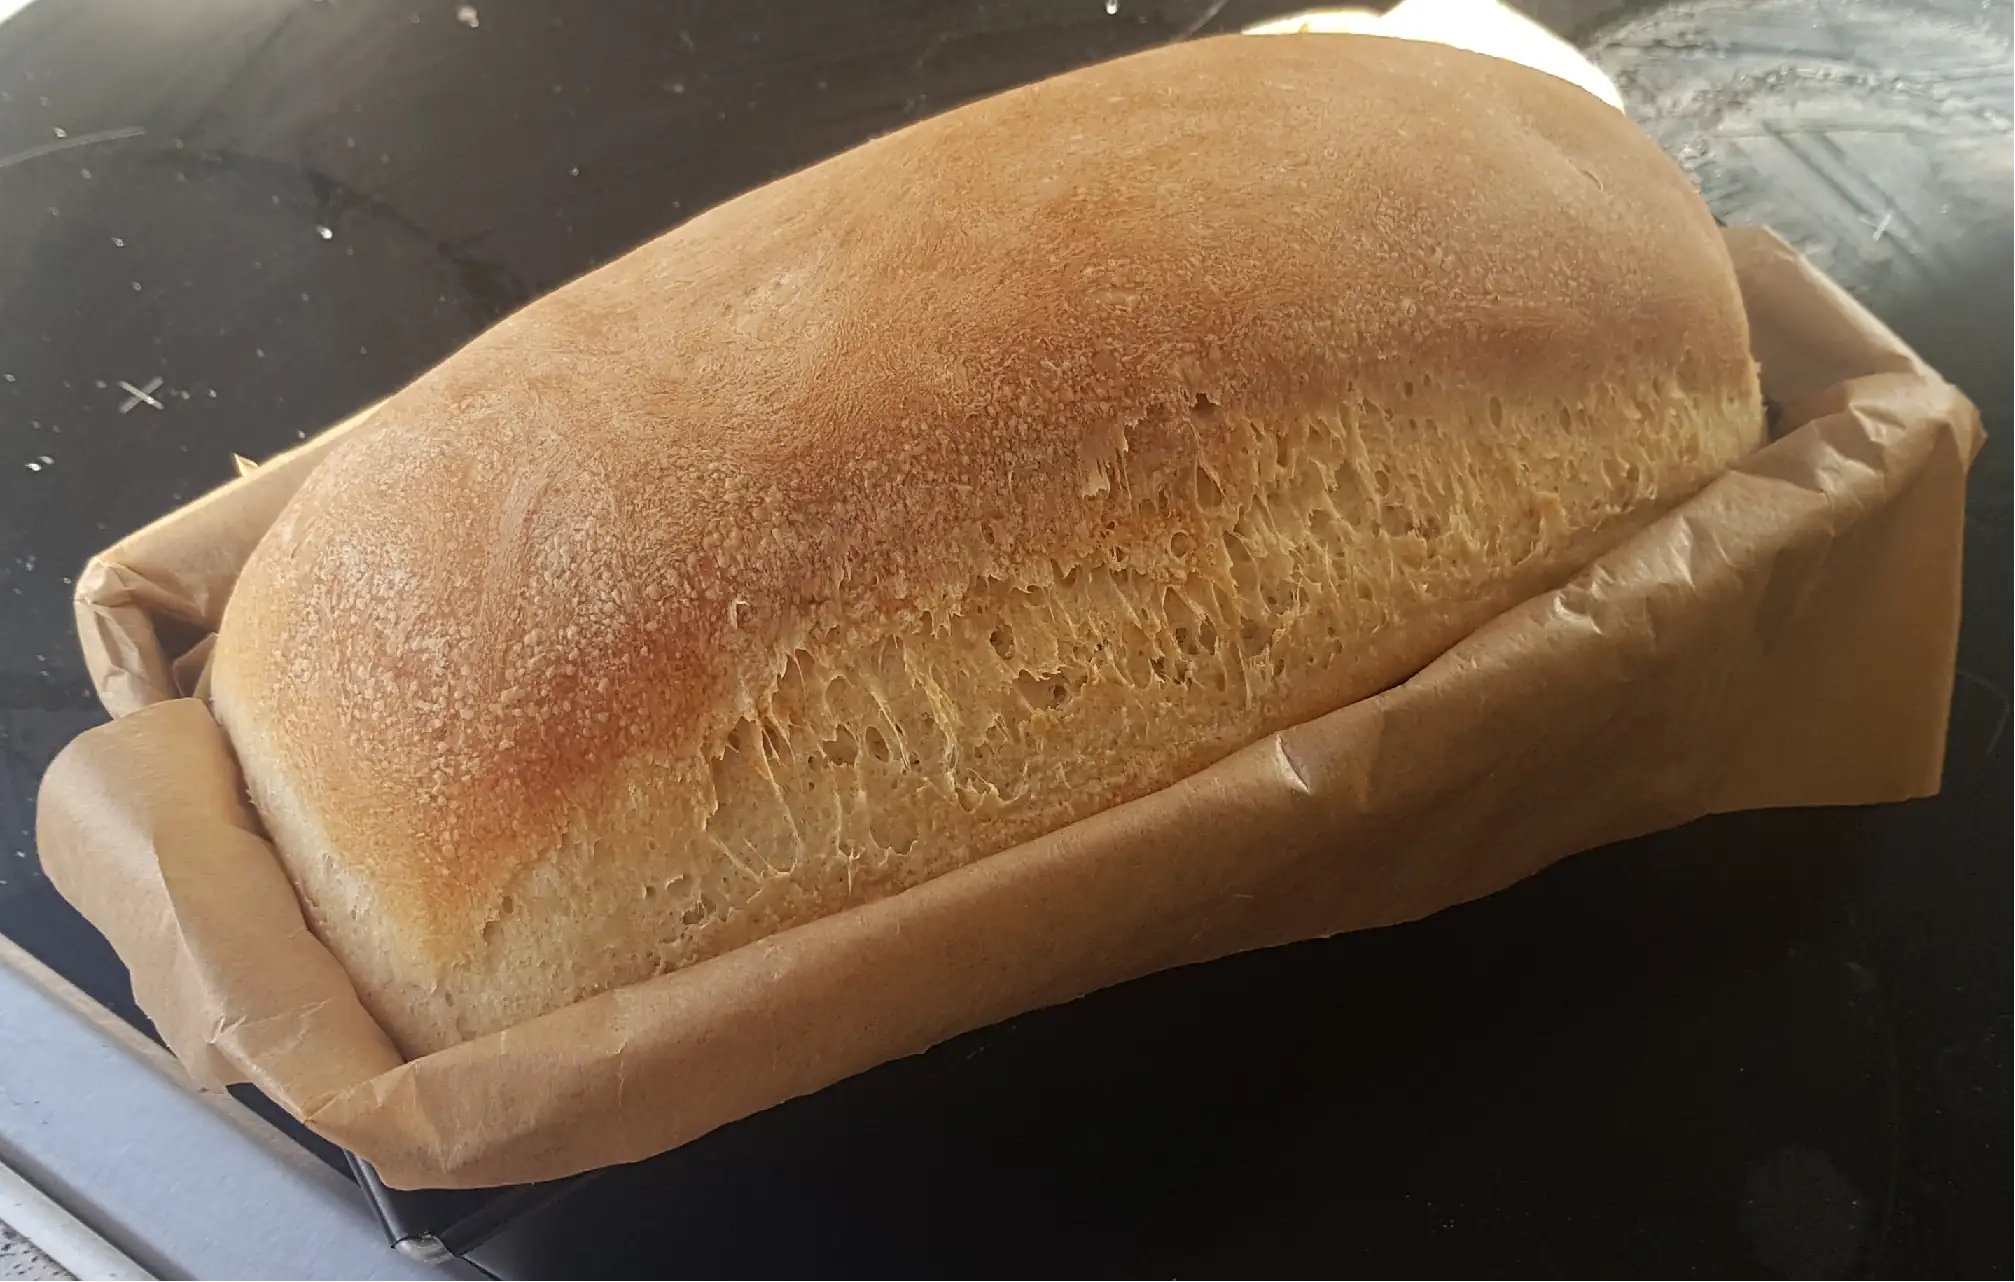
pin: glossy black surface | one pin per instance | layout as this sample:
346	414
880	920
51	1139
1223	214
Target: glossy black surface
1773	1043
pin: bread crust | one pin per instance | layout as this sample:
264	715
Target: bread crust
983	477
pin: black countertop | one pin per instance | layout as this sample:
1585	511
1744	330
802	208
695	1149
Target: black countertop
1773	1042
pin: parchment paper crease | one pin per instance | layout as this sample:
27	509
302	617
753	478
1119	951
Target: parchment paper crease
1785	638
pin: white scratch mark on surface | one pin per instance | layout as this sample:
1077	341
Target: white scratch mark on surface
65	144
140	395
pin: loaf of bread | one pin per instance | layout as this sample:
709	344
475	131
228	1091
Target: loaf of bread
986	476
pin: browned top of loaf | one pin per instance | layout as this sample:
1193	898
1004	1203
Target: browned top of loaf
604	525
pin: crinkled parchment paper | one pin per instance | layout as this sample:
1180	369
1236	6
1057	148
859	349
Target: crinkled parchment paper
1784	638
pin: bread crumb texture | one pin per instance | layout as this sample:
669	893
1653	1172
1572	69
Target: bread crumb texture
984	477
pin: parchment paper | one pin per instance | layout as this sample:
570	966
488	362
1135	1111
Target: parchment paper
1784	638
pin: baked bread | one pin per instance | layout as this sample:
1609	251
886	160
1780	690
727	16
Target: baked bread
984	477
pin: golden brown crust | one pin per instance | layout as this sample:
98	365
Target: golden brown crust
564	672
